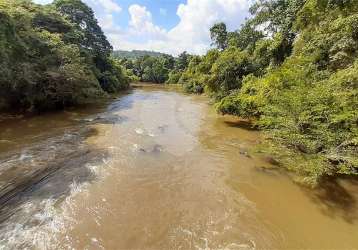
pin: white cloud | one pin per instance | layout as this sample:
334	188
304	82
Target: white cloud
190	34
42	1
197	16
108	6
141	23
99	5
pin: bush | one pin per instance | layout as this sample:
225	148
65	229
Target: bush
45	64
302	90
173	77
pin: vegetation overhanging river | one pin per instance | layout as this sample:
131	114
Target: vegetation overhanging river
157	169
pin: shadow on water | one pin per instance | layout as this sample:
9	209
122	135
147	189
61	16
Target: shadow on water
247	125
335	198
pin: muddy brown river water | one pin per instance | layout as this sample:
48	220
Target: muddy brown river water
157	169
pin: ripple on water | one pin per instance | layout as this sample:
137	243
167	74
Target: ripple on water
173	176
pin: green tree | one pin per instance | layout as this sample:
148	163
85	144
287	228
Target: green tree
228	71
219	35
182	61
292	70
246	37
83	17
278	16
44	65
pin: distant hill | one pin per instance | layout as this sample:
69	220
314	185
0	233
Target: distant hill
135	53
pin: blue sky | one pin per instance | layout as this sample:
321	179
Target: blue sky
169	26
163	11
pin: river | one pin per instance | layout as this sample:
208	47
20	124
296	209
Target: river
158	169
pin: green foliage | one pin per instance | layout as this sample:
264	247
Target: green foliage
113	76
156	72
292	69
135	54
49	61
149	68
84	20
219	35
317	119
228	70
197	74
157	68
182	61
173	77
246	37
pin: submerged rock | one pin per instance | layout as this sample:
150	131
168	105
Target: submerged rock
156	148
245	153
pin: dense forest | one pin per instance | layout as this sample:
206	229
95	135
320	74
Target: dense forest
159	68
292	68
54	56
134	54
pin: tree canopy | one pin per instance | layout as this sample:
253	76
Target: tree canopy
82	16
219	35
53	56
291	69
157	68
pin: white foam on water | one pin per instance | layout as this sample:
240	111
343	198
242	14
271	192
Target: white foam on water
38	230
95	169
105	161
89	119
100	170
139	131
237	246
24	156
40	224
114	149
135	147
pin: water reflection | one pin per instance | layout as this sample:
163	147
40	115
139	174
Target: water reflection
335	198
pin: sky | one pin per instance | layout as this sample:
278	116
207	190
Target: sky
169	26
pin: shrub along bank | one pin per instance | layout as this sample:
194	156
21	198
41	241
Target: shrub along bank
293	69
54	56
